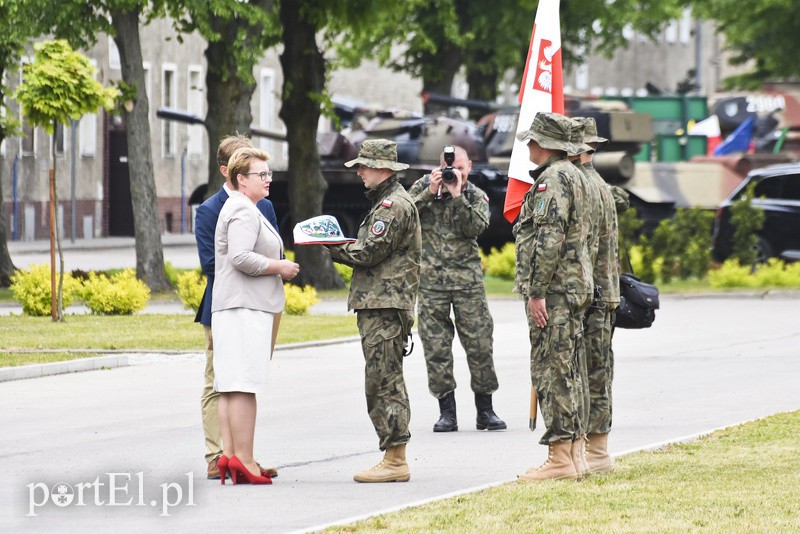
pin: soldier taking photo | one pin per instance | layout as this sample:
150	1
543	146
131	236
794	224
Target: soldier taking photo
453	213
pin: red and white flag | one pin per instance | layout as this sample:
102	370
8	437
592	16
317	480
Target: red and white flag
542	89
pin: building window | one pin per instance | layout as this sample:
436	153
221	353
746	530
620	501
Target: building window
87	135
59	135
146	68
685	26
27	141
113	54
671	33
194	100
266	106
168	129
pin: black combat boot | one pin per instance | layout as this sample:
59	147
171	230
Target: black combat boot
487	419
447	419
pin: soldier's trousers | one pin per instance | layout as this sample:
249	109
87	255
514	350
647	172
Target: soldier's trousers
475	329
558	367
383	334
600	359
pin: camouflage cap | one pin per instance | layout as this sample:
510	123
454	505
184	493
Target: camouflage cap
590	130
549	130
378	154
576	139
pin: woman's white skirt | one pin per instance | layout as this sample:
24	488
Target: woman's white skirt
242	349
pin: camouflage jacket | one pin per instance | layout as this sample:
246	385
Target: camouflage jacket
606	263
450	228
552	233
385	257
621	199
594	203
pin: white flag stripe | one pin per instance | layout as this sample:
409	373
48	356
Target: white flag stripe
546	26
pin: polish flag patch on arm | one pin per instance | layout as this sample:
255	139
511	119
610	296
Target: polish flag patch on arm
387	203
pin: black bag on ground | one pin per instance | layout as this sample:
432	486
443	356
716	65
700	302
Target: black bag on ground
638	303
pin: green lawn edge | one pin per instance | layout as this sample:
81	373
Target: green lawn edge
745	478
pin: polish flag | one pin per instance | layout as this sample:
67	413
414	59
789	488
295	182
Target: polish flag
542	89
710	128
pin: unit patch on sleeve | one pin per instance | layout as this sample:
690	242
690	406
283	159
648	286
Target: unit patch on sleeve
379	227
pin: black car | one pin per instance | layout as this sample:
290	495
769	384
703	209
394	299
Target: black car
779	185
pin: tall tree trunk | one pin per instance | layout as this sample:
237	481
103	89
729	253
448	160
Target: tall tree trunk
482	80
440	79
228	97
303	78
147	230
6	265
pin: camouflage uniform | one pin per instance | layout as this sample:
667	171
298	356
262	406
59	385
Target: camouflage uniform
383	291
594	204
553	263
599	319
451	275
600	316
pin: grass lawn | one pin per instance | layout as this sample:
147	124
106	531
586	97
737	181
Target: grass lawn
147	332
741	479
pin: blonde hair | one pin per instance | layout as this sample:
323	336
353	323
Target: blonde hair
240	162
229	145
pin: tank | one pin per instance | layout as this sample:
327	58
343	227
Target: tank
420	139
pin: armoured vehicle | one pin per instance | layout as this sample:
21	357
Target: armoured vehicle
420	140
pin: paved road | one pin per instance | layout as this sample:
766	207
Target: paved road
706	363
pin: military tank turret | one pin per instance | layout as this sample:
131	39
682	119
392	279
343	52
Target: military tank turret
420	139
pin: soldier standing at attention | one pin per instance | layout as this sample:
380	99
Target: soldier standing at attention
383	291
599	318
554	276
453	212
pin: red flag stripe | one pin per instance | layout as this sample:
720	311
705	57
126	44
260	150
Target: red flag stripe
514	194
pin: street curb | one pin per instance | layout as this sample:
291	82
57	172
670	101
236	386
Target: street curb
22	372
650	447
120	358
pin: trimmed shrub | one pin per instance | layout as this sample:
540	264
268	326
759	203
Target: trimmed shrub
345	271
299	299
731	274
747	222
31	288
502	263
171	272
776	273
191	285
121	294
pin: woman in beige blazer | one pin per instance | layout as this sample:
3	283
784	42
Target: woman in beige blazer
247	295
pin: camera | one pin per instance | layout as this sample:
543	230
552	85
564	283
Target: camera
448	176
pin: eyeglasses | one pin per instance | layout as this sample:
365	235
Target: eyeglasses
263	175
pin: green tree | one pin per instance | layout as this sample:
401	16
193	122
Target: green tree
681	242
58	86
307	29
81	22
438	37
761	33
14	33
747	221
237	33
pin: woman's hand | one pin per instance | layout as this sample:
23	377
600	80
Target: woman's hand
287	269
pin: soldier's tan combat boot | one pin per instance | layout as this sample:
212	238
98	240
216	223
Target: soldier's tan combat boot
558	465
578	453
597	454
393	467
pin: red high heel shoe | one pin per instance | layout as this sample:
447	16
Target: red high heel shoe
222	465
238	470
